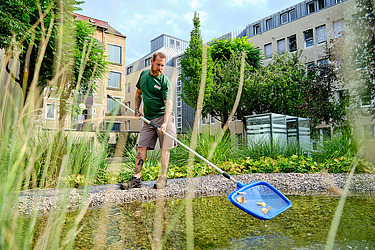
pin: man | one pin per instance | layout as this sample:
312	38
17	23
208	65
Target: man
154	88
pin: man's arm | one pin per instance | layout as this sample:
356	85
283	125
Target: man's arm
138	101
167	114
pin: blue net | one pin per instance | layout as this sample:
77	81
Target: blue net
260	200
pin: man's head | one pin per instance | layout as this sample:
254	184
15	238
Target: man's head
157	63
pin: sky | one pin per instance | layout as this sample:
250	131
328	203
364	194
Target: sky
143	20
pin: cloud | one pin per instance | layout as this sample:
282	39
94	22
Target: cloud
194	4
242	3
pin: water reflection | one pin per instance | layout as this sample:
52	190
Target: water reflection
218	224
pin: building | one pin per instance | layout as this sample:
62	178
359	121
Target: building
97	111
306	26
173	48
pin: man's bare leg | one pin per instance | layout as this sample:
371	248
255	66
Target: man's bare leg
164	161
139	161
135	181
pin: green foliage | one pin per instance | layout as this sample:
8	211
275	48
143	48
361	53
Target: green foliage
223	50
191	68
150	169
287	86
297	164
342	143
223	151
261	149
46	163
227	69
23	32
227	75
94	65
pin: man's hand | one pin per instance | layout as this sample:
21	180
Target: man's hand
137	113
162	128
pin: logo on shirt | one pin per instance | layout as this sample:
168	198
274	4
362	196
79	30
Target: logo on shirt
157	87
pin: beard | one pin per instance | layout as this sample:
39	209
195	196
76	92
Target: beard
155	72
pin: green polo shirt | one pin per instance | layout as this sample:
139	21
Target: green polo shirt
155	90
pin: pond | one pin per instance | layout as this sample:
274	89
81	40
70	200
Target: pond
217	224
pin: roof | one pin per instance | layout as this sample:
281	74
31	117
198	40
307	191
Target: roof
169	52
98	23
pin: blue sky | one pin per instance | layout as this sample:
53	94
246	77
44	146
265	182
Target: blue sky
143	20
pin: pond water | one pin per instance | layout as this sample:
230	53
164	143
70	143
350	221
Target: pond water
217	224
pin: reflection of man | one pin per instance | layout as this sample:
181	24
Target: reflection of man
154	88
161	223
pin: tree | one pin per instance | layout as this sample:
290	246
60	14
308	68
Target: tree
52	49
226	56
30	28
89	64
191	69
287	86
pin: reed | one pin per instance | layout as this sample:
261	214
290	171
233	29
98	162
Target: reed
34	158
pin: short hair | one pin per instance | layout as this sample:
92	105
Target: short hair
160	54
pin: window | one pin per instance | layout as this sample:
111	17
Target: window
321	4
292	43
113	107
127	125
171	43
50	111
256	29
113	126
321	34
310	7
323	62
128	87
310	64
365	100
129	70
178	45
338	1
281	46
269	24
284	18
212	120
128	105
148	62
309	39
114	80
114	53
323	67
338	28
292	15
268	50
203	120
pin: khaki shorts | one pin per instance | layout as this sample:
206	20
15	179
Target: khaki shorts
149	135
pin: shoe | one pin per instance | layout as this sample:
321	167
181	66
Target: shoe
161	183
133	182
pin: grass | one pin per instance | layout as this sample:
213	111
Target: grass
34	158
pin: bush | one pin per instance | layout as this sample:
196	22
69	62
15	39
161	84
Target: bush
342	143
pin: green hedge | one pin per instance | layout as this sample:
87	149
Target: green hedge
293	164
